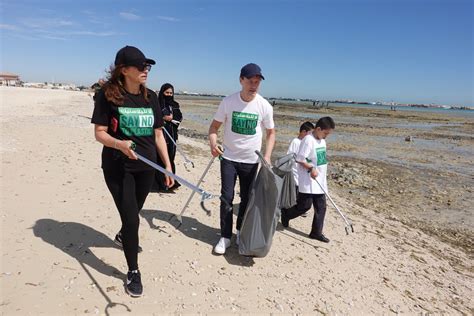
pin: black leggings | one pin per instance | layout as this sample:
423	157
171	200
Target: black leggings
129	191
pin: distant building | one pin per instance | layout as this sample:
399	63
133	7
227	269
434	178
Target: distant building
33	84
9	79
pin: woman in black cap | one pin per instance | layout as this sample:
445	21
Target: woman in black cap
172	116
127	114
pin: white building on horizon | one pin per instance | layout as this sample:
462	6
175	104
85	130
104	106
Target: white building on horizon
9	79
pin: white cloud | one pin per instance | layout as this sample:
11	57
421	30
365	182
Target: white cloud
52	37
9	27
168	18
27	37
91	33
130	16
94	18
45	23
54	29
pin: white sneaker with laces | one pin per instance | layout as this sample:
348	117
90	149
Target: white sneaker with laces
222	245
237	238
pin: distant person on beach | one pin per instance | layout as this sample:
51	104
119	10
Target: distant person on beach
305	129
172	117
127	113
312	167
243	114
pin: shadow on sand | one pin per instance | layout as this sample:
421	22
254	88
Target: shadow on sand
194	229
76	240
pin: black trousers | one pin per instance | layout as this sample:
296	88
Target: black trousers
230	170
129	191
303	204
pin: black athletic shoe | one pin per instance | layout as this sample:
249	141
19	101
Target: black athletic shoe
318	237
134	283
118	242
284	219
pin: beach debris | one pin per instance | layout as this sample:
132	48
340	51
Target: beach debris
32	284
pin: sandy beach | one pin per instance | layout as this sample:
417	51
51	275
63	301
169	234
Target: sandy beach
410	202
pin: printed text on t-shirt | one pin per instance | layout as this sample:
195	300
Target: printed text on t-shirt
321	155
244	123
136	121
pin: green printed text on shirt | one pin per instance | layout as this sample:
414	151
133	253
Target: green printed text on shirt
321	155
244	123
136	121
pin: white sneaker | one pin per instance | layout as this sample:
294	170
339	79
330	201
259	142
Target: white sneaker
237	239
222	245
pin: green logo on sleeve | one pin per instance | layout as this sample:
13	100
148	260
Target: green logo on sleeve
136	121
321	155
244	123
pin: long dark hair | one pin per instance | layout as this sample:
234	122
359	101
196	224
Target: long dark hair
114	89
161	96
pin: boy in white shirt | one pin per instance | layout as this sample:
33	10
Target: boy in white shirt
312	167
305	129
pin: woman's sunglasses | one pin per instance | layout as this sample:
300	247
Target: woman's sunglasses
143	67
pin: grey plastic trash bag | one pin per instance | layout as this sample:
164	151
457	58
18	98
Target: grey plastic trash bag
283	167
262	213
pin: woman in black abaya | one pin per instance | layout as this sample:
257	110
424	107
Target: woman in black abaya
172	117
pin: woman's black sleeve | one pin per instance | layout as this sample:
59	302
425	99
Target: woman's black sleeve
101	114
177	115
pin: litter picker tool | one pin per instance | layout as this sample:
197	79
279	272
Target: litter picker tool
348	222
186	160
179	216
204	195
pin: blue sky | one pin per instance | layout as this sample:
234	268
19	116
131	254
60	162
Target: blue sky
417	51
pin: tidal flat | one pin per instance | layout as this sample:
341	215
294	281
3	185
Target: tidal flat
415	167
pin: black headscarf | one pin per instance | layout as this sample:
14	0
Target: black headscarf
166	102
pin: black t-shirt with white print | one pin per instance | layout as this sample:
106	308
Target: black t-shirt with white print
135	120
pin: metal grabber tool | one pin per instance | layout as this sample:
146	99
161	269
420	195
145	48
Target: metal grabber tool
186	160
179	216
348	222
204	194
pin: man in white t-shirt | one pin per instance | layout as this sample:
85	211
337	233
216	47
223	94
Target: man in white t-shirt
312	167
243	114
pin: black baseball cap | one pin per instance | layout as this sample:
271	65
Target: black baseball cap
131	56
251	70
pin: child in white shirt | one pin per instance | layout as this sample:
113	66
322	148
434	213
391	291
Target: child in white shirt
312	167
305	129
